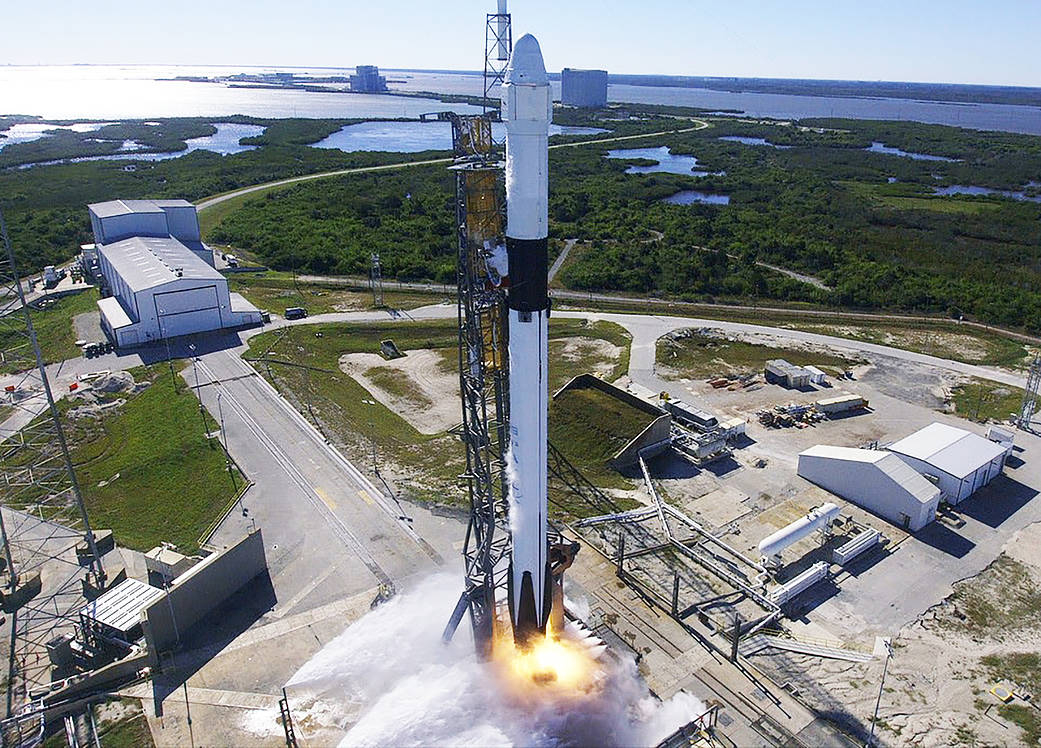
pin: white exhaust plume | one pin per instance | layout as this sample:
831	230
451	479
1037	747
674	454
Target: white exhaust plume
389	680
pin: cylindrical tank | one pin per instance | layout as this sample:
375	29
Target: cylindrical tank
822	516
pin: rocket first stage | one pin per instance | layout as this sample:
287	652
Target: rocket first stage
527	107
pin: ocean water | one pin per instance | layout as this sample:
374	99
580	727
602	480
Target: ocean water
137	91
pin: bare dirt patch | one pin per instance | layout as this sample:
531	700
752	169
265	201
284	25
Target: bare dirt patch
416	386
937	688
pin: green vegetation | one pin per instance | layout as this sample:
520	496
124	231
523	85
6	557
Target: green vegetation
823	208
1005	597
982	401
705	354
1021	668
147	469
54	331
1027	717
45	206
302	362
589	427
129	731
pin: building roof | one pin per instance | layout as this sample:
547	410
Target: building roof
913	482
955	451
126	207
145	262
114	313
120	608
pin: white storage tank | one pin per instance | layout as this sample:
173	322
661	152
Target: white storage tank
818	518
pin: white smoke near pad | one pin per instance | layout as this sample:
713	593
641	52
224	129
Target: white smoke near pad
389	680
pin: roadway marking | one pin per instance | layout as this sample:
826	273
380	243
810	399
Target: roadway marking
325	499
365	497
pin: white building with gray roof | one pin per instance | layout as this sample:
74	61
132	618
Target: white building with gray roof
158	281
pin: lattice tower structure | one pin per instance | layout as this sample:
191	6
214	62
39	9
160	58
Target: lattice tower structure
376	280
51	563
483	374
1028	407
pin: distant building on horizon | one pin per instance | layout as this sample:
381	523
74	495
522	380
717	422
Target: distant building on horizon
367	79
583	88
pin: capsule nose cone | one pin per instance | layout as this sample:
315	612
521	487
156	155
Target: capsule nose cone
526	65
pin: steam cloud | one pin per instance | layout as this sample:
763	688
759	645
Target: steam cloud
391	676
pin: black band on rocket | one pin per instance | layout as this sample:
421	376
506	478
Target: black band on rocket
529	268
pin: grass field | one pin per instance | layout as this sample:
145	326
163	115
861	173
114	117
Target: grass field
303	363
54	331
882	195
706	355
981	401
147	470
275	291
1004	597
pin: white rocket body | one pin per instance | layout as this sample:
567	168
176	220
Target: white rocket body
527	110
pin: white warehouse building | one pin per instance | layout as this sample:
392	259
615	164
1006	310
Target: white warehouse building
878	481
160	284
960	461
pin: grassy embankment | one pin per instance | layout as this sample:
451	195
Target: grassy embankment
982	401
54	331
589	426
705	355
147	469
275	291
303	363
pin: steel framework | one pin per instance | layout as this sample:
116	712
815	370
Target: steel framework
376	280
1027	408
483	374
50	560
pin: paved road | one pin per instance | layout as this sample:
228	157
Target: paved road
568	244
209	202
329	530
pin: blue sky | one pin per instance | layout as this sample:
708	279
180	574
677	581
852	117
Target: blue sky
958	41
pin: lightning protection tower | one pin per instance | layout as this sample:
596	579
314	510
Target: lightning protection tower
1027	408
50	563
376	280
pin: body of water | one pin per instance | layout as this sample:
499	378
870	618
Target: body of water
877	147
224	141
754	141
27	133
412	137
965	189
134	92
689	197
667	162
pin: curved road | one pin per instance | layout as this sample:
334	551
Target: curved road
209	202
646	329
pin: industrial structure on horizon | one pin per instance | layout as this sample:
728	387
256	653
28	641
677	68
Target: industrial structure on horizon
367	79
583	88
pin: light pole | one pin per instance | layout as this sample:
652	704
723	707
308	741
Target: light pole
198	391
227	455
169	356
881	685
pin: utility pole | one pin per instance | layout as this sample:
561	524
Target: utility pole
198	391
881	685
376	280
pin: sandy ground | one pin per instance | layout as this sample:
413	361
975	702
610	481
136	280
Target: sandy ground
433	404
936	690
598	356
